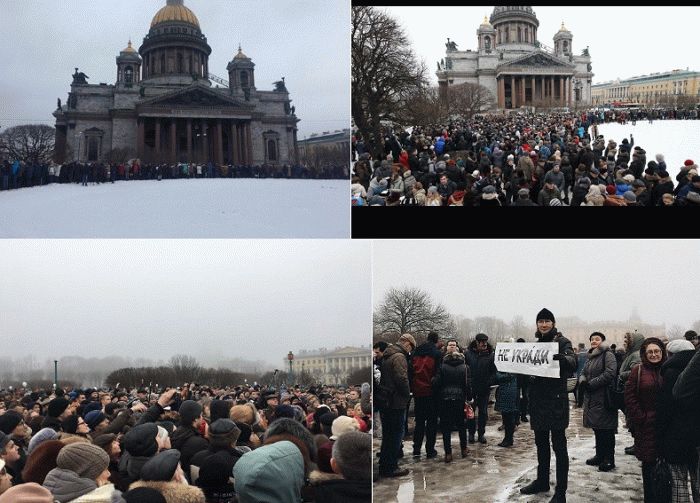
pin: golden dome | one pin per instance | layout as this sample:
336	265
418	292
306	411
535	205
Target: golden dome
563	28
129	48
486	22
175	11
240	54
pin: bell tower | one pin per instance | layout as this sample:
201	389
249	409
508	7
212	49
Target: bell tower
128	67
241	75
562	42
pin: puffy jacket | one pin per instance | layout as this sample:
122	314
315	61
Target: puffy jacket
482	367
634	344
426	363
452	381
66	485
507	392
395	376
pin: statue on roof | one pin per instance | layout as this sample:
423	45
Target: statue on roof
451	46
79	77
59	105
280	86
585	52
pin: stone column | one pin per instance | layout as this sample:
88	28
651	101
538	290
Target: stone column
571	91
173	140
542	89
561	91
141	138
158	140
532	99
501	93
551	91
249	142
189	140
522	90
512	91
219	156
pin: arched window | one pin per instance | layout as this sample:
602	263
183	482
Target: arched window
527	35
488	43
244	79
566	47
129	75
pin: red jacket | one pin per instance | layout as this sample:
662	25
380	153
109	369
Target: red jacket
641	408
426	363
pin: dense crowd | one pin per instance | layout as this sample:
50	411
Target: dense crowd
194	444
655	383
18	174
554	159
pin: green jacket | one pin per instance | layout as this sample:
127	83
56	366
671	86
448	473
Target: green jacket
273	473
633	357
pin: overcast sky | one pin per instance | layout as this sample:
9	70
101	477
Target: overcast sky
255	299
306	41
624	41
600	280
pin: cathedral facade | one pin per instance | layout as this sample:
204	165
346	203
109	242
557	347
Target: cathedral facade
163	107
516	68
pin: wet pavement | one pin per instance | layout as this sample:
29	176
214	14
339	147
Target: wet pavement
496	474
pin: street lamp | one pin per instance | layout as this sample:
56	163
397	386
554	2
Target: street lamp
55	374
290	357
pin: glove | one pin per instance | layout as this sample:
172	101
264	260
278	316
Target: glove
558	356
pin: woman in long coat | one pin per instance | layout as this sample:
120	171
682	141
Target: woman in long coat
598	372
641	393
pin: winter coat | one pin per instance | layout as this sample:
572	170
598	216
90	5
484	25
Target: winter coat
545	196
272	473
344	491
103	494
665	186
174	492
632	358
507	393
426	364
452	381
420	197
548	399
481	367
677	431
230	455
408	181
686	391
395	376
66	485
189	442
640	407
130	467
599	371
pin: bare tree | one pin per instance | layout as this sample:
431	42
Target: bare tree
424	105
467	99
385	70
29	143
518	328
410	310
185	367
675	332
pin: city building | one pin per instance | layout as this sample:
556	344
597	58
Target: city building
516	67
325	149
674	88
163	107
331	366
578	332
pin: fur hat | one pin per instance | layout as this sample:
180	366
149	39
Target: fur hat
344	424
545	314
57	406
189	411
162	466
481	337
27	493
87	460
408	338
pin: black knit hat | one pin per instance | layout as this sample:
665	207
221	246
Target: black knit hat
225	428
162	466
219	409
9	421
189	411
94	418
4	440
57	406
70	424
545	314
141	440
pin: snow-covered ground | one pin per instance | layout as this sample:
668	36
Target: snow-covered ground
218	208
677	140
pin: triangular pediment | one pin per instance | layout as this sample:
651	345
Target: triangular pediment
538	59
193	96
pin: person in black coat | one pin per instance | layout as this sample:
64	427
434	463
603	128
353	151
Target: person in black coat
549	411
223	435
676	431
453	388
480	358
186	437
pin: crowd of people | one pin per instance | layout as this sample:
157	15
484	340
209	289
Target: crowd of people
655	383
18	174
191	444
552	159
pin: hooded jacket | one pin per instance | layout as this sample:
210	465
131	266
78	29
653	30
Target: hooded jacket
634	342
426	364
273	473
452	381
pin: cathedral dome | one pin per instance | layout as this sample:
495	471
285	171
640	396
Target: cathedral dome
503	12
175	11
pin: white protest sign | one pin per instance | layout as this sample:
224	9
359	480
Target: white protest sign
530	358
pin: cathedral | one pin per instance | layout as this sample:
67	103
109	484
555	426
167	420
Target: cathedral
516	68
164	108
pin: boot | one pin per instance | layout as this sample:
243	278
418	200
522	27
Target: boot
432	454
524	419
535	487
448	458
506	443
558	498
594	461
482	440
629	450
465	452
606	466
471	438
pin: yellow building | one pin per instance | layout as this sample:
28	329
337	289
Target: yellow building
578	331
674	88
331	366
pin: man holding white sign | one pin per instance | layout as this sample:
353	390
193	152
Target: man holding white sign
548	400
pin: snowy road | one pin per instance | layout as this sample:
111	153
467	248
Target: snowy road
493	474
218	208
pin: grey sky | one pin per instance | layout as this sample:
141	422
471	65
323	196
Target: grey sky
251	299
600	280
624	41
306	41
